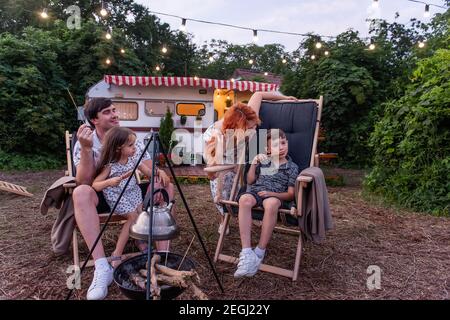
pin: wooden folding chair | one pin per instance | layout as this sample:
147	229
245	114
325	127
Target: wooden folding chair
300	121
70	140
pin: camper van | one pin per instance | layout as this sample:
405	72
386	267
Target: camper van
194	102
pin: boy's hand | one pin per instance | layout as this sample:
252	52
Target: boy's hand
260	158
266	194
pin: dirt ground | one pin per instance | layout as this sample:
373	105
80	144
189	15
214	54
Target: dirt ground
411	249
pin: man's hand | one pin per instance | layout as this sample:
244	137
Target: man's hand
84	135
165	180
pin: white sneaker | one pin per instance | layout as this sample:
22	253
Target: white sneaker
99	286
227	232
248	264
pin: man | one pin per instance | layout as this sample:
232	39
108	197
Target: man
102	115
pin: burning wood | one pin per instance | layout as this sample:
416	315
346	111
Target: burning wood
160	275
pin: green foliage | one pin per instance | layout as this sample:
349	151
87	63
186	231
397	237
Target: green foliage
411	142
22	162
165	131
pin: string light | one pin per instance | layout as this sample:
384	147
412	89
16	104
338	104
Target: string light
164	49
371	45
108	35
122	51
426	14
44	14
266	73
375	4
108	61
326	53
318	45
284	61
255	36
232	80
250	61
421	44
211	59
183	25
297	59
195	78
158	68
103	11
313	57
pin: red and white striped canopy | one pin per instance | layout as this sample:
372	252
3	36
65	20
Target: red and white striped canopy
189	82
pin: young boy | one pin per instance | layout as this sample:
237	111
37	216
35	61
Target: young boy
271	180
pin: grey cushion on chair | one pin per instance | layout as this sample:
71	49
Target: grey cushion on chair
298	121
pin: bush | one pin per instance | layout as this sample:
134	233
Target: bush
411	143
29	163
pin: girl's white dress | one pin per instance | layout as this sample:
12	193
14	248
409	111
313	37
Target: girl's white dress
132	196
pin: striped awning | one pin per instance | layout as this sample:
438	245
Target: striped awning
189	82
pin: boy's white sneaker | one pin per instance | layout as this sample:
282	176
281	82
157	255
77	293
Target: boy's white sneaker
248	264
99	286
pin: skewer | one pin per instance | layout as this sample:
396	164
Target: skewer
182	260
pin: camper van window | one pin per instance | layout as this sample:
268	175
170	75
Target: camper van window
126	110
191	109
158	108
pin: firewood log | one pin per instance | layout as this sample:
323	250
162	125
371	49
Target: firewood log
196	292
154	288
138	280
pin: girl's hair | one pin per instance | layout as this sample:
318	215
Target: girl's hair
115	138
238	117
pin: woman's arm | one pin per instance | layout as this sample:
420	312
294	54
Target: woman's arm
258	97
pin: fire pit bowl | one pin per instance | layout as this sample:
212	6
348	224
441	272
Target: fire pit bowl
131	291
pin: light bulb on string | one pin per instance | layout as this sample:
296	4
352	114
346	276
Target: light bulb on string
122	51
313	57
164	49
284	61
297	59
211	59
108	35
375	4
318	45
250	61
183	25
158	68
426	14
255	36
266	73
421	44
44	14
103	11
108	61
232	80
195	78
326	53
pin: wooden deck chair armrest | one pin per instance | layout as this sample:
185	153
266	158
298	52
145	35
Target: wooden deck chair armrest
303	179
219	168
300	184
70	185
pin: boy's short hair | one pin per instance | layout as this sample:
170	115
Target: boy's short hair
281	134
94	106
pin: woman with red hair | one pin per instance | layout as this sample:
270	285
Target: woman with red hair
236	123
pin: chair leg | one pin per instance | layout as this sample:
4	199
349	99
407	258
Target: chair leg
76	254
298	257
222	236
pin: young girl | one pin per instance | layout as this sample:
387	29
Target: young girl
117	161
